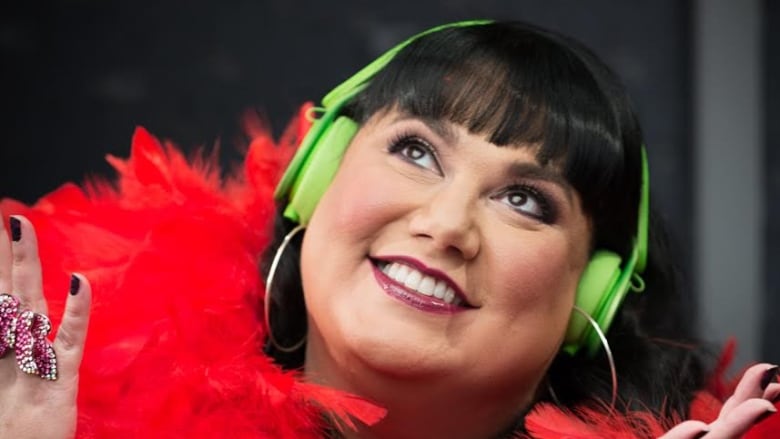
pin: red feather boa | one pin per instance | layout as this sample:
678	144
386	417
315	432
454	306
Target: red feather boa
174	344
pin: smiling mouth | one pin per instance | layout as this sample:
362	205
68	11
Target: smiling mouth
415	288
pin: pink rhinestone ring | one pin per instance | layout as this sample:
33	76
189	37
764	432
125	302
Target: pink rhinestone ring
25	332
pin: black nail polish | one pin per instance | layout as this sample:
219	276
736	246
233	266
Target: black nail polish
16	229
768	377
701	434
75	283
765	415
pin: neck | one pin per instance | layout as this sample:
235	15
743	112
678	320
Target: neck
418	408
418	422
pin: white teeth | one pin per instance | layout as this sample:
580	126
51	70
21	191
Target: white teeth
426	285
401	275
449	295
441	287
419	282
413	280
393	270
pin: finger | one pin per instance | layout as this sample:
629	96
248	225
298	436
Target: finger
687	430
26	266
751	385
768	379
5	258
7	366
772	393
741	419
69	342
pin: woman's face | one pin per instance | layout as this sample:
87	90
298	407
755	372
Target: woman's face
437	257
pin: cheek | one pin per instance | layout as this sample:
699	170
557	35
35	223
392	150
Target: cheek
356	208
359	202
541	280
358	205
529	295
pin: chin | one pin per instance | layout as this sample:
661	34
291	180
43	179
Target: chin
400	360
386	349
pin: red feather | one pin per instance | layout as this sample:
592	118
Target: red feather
174	344
547	421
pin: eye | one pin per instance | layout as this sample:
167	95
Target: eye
416	151
528	201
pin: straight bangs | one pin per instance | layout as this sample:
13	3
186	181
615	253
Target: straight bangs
519	87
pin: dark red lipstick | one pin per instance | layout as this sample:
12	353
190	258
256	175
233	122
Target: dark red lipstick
428	303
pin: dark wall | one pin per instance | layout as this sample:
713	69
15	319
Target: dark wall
772	124
79	75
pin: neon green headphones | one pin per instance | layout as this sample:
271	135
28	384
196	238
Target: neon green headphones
605	281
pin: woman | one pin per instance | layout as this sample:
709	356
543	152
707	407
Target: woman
488	170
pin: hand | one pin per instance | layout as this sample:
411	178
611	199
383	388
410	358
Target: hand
750	404
30	406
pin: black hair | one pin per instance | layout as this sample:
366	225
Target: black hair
519	85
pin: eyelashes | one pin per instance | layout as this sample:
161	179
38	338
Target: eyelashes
529	199
524	196
416	150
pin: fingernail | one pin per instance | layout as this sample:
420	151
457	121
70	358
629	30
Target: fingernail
768	377
16	229
765	415
701	433
75	283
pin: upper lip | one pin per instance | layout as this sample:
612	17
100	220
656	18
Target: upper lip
428	271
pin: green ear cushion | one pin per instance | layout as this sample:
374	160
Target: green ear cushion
597	281
311	142
314	170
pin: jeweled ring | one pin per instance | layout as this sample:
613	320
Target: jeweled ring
25	332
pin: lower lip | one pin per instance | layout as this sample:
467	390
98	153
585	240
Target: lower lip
414	299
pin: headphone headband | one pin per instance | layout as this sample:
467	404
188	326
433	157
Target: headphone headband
643	218
368	72
299	209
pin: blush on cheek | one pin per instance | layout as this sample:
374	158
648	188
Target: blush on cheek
539	275
359	208
355	217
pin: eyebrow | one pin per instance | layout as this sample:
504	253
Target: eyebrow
441	128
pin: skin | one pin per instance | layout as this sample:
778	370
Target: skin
470	371
29	406
461	375
474	370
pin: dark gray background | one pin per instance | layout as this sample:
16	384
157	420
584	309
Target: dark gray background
78	76
771	342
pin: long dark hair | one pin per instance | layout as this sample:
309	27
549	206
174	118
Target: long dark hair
520	85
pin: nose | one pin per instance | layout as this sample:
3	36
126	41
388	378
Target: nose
447	219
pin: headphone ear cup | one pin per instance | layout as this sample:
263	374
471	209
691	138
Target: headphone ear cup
313	175
594	291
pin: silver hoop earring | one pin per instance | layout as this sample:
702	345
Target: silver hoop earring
268	285
610	358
